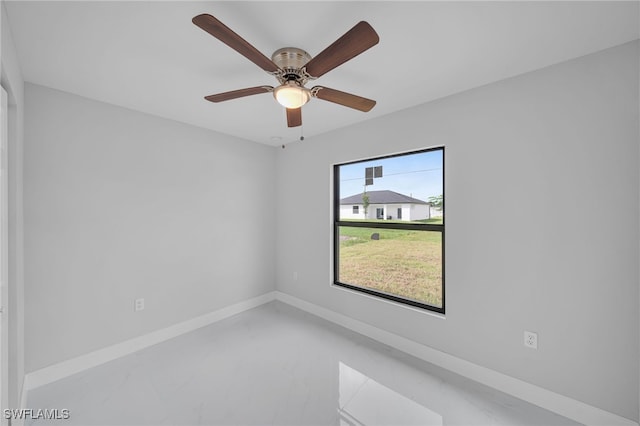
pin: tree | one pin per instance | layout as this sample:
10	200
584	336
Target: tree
365	203
436	201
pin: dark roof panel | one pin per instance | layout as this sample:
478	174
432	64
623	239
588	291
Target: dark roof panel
382	197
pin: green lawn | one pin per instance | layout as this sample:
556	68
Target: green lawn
403	263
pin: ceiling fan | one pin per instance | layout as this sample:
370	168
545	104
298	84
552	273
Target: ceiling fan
294	67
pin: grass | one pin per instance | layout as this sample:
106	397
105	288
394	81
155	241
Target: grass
403	263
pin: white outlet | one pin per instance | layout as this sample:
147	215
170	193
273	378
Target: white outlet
138	305
295	276
531	339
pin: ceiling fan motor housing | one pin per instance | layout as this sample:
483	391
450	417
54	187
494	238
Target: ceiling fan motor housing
291	60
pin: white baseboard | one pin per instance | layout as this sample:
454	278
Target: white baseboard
560	404
75	365
23	402
568	407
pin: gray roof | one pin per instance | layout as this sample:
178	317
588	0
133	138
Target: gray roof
382	197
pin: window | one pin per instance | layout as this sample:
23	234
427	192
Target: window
356	209
399	258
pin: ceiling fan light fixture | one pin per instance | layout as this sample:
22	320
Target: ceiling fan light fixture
291	95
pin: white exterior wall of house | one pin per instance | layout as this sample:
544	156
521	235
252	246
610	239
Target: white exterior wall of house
346	212
420	211
409	211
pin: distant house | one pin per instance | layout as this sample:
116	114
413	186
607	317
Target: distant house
386	205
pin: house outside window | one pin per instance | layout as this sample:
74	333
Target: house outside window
389	228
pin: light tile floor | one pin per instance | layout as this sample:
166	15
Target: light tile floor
276	365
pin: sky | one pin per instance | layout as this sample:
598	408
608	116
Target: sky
417	175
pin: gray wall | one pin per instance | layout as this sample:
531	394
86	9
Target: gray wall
564	138
121	205
11	79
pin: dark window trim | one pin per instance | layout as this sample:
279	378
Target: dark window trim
406	226
392	225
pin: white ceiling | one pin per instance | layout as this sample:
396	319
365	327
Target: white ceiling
148	56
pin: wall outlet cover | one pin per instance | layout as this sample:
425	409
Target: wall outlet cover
138	305
531	339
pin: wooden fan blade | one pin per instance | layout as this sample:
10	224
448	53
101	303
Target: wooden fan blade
226	96
343	98
355	41
294	117
234	41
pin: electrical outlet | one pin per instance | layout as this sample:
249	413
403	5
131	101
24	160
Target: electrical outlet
295	276
531	339
138	305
